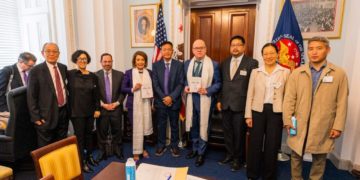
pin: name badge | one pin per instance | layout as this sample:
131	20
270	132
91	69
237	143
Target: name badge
243	73
328	79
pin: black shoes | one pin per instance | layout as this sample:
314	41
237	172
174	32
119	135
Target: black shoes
160	151
86	168
191	155
226	160
119	154
91	161
175	152
235	166
199	160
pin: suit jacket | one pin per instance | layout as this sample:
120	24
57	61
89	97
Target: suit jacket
257	89
117	78
126	87
41	95
16	82
212	90
176	83
233	92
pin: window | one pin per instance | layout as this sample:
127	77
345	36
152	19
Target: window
10	35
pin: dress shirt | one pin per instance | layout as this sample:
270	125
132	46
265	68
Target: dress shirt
271	83
52	73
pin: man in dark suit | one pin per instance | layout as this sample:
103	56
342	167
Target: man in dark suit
47	97
235	72
15	76
168	82
111	100
202	84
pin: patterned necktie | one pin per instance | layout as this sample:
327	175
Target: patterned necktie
25	78
196	73
107	88
233	68
59	89
166	78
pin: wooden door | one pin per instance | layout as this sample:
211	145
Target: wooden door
216	26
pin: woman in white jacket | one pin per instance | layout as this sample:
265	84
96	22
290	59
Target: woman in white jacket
263	114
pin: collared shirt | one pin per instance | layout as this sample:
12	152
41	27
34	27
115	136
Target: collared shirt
238	60
315	76
271	83
22	73
165	62
52	73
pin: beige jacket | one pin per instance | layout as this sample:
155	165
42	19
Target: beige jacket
256	90
316	115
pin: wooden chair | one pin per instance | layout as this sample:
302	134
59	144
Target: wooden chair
60	159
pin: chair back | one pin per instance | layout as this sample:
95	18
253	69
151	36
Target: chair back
60	159
19	138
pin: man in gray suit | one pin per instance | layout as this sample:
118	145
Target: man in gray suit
235	73
111	100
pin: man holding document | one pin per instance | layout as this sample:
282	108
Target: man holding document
316	99
202	83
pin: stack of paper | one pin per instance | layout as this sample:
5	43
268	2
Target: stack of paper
154	172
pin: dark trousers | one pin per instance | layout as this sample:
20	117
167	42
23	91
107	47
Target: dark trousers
162	115
48	136
83	127
234	134
112	120
198	144
264	143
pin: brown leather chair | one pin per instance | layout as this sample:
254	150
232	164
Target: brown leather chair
60	159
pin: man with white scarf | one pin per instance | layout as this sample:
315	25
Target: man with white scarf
202	83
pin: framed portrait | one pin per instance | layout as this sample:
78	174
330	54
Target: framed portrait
143	25
319	17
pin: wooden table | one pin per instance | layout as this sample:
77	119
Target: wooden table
115	170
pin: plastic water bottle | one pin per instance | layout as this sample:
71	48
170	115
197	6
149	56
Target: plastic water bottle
293	132
130	169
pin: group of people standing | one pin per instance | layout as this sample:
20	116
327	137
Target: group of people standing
259	100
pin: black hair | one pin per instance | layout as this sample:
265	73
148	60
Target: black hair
78	53
269	44
242	39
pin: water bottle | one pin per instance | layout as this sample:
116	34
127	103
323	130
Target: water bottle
130	169
294	123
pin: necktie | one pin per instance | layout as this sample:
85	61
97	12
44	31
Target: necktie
25	78
233	68
59	89
166	78
197	70
107	88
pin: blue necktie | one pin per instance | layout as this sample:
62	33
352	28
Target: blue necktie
166	78
107	88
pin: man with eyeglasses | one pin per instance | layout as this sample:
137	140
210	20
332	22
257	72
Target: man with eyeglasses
202	83
47	97
235	73
15	76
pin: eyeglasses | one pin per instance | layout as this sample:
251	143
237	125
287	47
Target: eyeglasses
82	59
236	45
199	48
52	52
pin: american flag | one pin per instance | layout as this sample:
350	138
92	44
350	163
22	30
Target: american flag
160	35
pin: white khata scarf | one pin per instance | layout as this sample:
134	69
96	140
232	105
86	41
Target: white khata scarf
142	122
205	101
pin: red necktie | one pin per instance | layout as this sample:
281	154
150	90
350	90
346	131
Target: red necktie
59	89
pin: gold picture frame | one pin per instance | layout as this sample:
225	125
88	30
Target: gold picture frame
319	18
143	25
